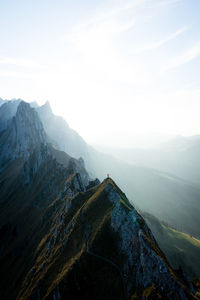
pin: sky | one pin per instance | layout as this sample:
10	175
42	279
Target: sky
114	69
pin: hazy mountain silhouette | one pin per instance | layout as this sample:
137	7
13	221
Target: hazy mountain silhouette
179	156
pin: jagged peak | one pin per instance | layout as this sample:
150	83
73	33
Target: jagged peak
10	103
46	107
26	112
47	104
23	106
23	134
7	111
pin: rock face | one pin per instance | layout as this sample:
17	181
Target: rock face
63	236
7	111
22	134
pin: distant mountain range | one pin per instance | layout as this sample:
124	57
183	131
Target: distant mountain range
179	156
63	234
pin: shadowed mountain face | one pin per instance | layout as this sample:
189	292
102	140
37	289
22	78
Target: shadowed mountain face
61	235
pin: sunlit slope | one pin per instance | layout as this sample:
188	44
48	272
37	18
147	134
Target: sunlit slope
180	248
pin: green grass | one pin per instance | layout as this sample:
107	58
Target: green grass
179	247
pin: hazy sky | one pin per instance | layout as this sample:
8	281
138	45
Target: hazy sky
113	68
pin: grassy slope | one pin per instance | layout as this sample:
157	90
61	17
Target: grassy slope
180	248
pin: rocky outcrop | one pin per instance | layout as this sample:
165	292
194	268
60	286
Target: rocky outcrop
23	133
7	112
93	183
24	137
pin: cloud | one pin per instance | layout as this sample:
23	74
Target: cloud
93	41
100	50
163	41
17	75
183	58
106	21
101	28
162	3
19	62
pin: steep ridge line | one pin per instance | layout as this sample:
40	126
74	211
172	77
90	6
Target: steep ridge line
103	258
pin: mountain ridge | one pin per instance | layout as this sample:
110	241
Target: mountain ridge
60	233
89	246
